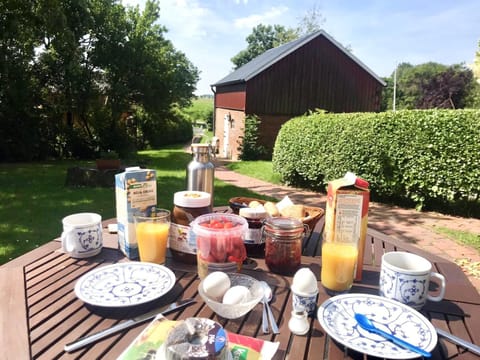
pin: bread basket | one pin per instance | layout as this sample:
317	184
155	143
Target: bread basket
313	214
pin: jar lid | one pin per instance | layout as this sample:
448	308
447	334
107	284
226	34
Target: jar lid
200	148
284	223
192	199
253	213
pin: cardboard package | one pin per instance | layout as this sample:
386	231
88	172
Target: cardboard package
135	192
346	216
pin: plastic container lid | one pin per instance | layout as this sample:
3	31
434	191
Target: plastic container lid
239	229
192	199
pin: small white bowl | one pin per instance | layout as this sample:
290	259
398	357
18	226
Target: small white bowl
237	310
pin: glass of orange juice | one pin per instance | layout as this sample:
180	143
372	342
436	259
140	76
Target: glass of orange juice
339	262
151	230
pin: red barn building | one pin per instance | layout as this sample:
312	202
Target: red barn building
313	72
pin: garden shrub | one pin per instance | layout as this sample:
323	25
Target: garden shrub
248	146
421	157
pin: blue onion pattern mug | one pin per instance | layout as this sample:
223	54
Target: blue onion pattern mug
82	235
405	277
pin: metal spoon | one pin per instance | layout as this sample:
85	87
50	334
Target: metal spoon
264	316
267	296
365	323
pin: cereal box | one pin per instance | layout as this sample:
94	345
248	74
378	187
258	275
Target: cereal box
135	191
346	215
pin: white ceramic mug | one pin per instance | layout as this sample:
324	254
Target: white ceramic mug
405	277
82	235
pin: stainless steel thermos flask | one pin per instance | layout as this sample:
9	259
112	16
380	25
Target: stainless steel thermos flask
201	171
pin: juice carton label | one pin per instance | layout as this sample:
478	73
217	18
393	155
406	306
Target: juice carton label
135	192
346	216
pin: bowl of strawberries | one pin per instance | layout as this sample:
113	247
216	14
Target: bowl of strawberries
219	238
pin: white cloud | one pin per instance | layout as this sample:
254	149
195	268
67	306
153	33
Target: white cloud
270	16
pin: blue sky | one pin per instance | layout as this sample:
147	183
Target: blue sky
381	33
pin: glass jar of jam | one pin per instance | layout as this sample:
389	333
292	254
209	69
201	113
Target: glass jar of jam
254	238
187	206
283	244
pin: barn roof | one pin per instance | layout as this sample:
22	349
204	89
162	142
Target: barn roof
271	56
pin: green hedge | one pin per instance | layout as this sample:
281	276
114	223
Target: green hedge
426	158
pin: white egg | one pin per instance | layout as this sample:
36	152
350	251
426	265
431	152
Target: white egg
236	295
216	284
304	281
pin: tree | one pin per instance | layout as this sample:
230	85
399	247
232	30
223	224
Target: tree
448	89
476	63
18	88
74	71
263	38
312	21
430	85
475	95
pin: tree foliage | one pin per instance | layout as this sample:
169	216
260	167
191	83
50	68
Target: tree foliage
74	73
475	96
430	85
311	21
265	37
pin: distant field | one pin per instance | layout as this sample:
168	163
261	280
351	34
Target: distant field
201	110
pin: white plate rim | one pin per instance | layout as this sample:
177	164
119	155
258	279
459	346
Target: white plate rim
402	354
79	284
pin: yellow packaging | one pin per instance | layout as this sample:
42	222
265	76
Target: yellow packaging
346	216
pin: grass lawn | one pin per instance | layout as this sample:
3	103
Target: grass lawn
463	237
34	198
261	170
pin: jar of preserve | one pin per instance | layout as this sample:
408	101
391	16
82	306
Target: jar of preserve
187	206
283	244
254	238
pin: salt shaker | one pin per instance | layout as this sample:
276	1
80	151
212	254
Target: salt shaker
298	323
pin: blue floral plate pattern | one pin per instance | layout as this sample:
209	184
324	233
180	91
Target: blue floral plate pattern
336	315
124	284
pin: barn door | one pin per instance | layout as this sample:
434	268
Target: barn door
226	127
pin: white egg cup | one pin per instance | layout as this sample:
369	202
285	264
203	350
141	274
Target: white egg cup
305	301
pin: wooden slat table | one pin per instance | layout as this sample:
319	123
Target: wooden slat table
40	312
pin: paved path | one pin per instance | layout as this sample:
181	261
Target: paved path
404	224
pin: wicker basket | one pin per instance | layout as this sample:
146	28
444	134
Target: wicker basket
313	214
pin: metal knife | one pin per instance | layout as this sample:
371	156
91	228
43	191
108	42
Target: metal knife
83	341
456	340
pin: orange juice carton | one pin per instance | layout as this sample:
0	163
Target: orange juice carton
135	192
346	215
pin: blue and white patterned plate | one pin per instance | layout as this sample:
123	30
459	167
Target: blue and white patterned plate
124	284
336	315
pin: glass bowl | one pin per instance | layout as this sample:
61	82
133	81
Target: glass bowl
237	310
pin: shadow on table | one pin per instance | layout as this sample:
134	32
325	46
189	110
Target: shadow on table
128	312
